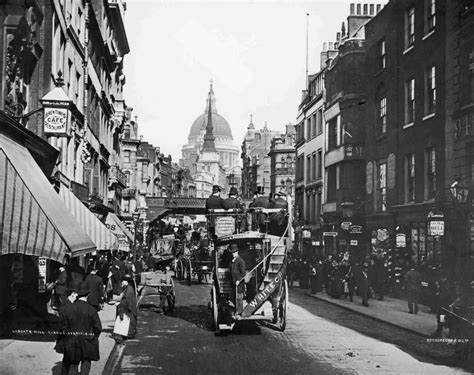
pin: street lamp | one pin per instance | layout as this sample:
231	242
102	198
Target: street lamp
136	220
459	192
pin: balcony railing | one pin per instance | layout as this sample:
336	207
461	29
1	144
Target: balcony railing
116	175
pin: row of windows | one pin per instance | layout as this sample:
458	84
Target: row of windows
429	27
314	124
429	105
410	179
314	166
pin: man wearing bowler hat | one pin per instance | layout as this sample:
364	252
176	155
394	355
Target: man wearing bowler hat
237	271
81	326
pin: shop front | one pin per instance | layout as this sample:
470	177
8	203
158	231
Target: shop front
37	232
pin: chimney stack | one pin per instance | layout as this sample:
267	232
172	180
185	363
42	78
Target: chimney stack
338	37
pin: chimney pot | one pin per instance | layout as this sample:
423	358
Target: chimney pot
359	12
352	11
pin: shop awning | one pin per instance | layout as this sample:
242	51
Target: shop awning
33	221
121	232
103	238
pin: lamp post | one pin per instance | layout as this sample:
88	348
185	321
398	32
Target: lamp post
136	220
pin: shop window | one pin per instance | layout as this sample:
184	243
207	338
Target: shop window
418	243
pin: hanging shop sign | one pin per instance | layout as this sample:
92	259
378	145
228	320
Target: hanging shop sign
401	240
354	242
55	120
345	225
306	234
436	228
356	229
329	234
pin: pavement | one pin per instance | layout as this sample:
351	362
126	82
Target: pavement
390	310
33	352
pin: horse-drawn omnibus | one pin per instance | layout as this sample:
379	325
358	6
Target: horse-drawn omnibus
265	296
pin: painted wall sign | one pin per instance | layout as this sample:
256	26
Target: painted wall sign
369	173
55	120
464	126
391	171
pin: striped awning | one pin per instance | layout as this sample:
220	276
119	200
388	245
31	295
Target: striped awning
33	221
123	235
103	238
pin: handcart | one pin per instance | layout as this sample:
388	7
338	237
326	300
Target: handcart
160	284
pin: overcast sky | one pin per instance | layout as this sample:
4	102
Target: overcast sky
254	51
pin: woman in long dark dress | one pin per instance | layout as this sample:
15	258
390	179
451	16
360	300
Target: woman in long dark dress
128	306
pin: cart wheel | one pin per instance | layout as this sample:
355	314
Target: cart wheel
179	271
190	273
215	309
283	306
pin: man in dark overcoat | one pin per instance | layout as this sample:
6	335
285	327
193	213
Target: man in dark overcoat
214	202
278	220
81	325
96	287
259	218
413	289
237	271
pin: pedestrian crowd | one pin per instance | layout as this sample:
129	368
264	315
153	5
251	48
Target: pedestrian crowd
342	276
79	293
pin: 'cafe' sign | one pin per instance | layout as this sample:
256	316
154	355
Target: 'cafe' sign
55	120
56	112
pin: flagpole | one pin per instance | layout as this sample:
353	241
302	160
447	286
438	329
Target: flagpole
307	37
